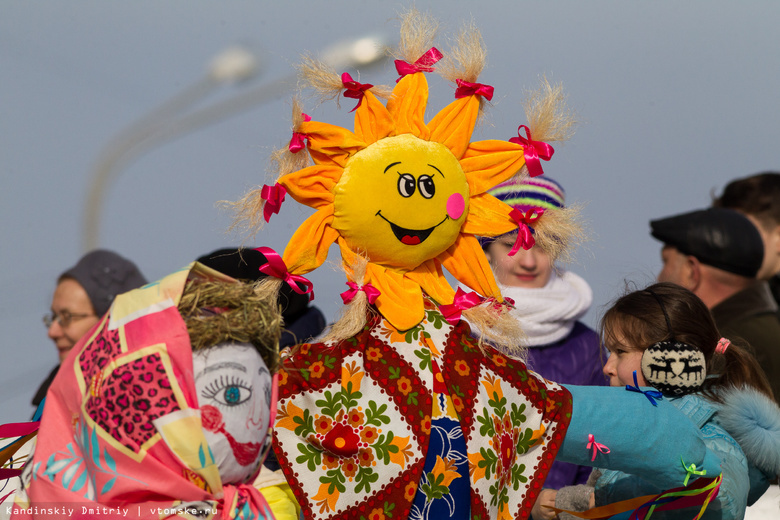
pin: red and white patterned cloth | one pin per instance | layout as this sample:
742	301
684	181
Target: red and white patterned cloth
354	422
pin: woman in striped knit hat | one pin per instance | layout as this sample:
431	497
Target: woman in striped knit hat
549	302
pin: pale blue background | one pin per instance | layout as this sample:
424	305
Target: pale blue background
676	98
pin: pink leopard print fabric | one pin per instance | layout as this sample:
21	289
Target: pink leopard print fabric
125	402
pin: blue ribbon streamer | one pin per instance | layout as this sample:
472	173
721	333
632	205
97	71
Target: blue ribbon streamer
651	395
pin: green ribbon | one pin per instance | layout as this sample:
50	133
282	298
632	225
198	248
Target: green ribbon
691	470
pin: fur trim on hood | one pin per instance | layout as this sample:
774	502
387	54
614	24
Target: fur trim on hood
754	421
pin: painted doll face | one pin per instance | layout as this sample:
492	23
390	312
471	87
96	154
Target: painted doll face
234	393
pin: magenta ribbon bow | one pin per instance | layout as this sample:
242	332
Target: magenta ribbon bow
423	64
463	301
533	151
596	446
298	141
276	268
525	234
273	197
651	395
371	292
473	89
354	89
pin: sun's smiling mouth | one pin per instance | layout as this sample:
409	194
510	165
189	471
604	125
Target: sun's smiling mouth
411	237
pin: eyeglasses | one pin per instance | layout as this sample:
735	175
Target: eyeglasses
64	318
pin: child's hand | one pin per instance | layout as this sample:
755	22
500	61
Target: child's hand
546	498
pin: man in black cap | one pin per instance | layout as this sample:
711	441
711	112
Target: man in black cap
83	295
716	253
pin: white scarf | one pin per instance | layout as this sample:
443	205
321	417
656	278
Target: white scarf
548	314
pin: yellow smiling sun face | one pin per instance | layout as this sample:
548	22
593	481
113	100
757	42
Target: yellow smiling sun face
407	194
402	200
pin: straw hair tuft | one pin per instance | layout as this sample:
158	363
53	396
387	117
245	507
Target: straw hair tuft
217	312
358	312
494	325
418	32
467	58
248	213
559	232
320	77
323	79
549	118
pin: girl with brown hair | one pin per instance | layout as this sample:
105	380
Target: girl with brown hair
664	337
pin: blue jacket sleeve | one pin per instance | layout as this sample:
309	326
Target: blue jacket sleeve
730	504
643	439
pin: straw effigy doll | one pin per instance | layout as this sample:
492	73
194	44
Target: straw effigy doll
398	412
163	409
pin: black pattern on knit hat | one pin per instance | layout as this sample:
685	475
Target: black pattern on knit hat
103	275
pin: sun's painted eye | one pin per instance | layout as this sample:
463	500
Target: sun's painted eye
406	185
426	186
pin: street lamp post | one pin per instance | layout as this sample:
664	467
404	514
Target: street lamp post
162	124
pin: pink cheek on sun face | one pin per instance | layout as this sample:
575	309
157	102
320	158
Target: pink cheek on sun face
455	206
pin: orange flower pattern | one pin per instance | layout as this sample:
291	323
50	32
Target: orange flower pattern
356	418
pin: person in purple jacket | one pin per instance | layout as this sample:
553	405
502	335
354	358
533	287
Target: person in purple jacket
549	302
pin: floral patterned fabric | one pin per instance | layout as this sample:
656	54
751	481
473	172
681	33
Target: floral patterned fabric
399	424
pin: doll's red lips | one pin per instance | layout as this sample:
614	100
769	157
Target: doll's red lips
410	237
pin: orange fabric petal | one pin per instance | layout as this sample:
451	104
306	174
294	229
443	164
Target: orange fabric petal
313	186
330	144
468	263
308	247
487	163
407	105
372	120
488	217
431	278
454	124
401	299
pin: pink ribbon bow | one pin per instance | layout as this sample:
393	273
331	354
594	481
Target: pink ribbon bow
276	268
371	292
525	236
298	141
273	197
533	151
473	89
462	302
354	89
423	64
596	446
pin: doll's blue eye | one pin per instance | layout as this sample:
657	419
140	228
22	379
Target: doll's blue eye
227	391
235	395
232	395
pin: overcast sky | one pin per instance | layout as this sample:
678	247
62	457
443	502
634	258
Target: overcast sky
675	99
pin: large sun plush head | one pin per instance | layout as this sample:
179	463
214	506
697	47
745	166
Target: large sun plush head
404	197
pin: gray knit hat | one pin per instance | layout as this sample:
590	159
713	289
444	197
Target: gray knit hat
104	274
